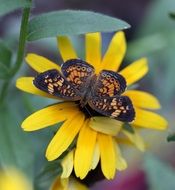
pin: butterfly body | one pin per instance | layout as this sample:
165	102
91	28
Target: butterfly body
77	81
87	90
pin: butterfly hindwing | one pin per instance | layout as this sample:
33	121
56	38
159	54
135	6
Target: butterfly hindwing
109	84
54	83
119	107
77	71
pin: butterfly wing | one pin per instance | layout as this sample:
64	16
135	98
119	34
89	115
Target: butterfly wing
77	72
109	84
54	83
119	107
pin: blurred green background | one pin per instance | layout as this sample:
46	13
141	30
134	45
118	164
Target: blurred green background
152	35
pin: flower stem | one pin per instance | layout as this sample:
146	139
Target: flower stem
20	53
4	90
22	41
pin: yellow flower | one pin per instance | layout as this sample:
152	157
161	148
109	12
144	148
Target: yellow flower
67	184
13	180
98	137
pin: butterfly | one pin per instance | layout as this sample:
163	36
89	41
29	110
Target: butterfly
77	81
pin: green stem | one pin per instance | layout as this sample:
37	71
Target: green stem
20	53
4	90
22	41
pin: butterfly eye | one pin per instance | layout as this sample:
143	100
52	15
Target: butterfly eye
78	68
112	80
83	68
108	77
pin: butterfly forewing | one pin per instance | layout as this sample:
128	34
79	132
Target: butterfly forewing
77	72
109	84
119	107
54	83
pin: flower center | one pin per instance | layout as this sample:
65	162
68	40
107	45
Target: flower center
87	110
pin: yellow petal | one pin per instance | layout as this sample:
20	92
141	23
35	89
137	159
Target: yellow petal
115	53
67	164
136	139
149	119
26	84
12	179
64	136
93	49
135	71
120	162
143	99
66	48
108	155
96	157
48	116
84	151
40	63
105	125
122	140
60	184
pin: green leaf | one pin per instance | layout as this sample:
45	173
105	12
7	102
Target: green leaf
3	71
10	5
5	59
159	174
48	174
158	46
172	15
171	137
15	149
5	53
70	22
146	45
